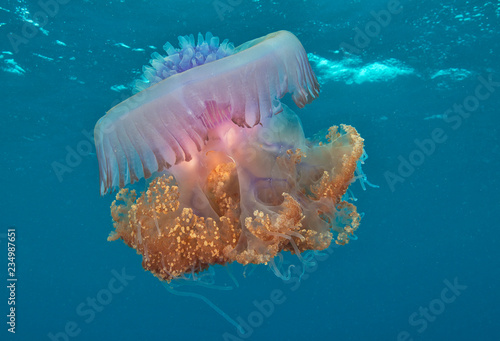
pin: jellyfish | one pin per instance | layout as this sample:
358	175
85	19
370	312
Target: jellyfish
230	175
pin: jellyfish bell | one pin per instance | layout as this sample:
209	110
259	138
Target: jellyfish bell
234	177
167	123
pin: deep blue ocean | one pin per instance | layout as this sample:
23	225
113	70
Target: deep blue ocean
420	81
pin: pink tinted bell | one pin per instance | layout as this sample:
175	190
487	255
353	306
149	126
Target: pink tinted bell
169	122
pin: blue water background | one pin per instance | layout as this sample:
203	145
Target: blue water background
438	225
